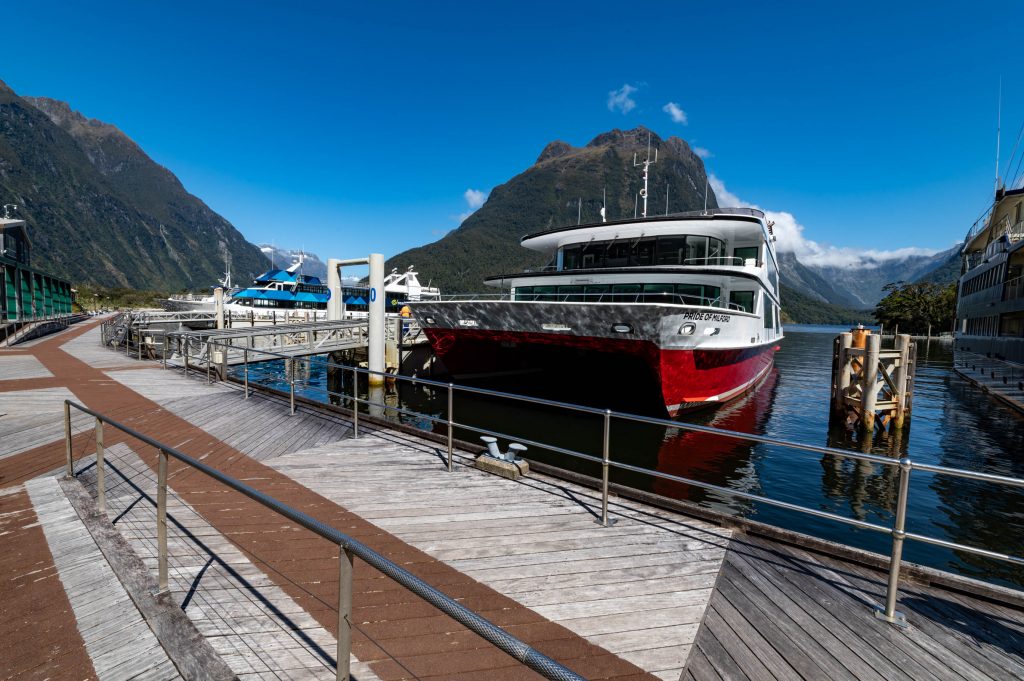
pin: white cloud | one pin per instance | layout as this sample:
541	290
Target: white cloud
475	198
702	152
621	100
675	112
791	238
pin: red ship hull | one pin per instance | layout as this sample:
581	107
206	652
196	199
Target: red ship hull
687	378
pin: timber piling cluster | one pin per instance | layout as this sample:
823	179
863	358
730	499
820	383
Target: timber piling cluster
870	385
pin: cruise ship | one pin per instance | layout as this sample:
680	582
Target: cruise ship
990	301
687	303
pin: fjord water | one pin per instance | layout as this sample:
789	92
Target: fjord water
953	424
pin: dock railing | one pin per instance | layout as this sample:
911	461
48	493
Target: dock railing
897	531
348	550
1012	374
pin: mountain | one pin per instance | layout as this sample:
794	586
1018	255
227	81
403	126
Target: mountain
860	286
100	211
283	258
947	270
564	182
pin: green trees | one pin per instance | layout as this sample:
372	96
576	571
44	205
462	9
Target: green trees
918	307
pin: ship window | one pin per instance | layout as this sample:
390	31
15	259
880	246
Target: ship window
617	255
626	292
659	293
690	294
570	293
545	292
746	253
571	258
595	293
643	253
671	250
524	293
696	250
769	314
742	299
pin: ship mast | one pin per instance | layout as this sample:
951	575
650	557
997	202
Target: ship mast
646	164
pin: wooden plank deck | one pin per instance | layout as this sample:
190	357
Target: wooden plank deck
782	612
637	589
255	627
117	639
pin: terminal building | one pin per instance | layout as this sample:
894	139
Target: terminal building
25	292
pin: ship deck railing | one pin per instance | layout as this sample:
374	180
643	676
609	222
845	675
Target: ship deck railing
618	298
905	466
1014	288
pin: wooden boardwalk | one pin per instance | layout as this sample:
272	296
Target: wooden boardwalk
781	612
656	596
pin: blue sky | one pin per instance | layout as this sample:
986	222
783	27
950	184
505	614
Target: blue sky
346	128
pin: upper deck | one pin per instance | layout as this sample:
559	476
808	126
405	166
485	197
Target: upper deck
747	224
998	231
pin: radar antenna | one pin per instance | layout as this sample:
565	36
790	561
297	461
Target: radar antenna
646	164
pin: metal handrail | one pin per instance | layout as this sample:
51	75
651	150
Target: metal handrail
905	465
348	549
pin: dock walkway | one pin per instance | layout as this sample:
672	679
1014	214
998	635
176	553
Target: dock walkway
658	595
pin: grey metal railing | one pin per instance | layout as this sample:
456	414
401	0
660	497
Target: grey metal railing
659	298
348	550
905	465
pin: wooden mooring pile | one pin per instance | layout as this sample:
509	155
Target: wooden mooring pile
872	386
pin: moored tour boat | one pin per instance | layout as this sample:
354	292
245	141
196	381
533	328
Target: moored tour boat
688	301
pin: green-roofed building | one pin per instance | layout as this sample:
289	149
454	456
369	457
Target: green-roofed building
25	292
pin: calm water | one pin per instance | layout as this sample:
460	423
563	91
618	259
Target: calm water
953	424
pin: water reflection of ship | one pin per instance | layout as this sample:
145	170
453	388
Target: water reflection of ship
716	459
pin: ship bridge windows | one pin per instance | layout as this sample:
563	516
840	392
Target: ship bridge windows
667	293
666	250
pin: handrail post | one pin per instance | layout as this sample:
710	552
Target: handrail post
164	348
70	472
355	403
605	460
101	489
209	361
245	363
291	389
161	521
345	560
890	614
184	354
451	424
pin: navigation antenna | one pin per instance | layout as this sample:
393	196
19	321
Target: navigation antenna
8	207
999	124
646	164
604	203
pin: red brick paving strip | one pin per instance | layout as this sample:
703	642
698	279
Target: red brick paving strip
398	634
39	636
